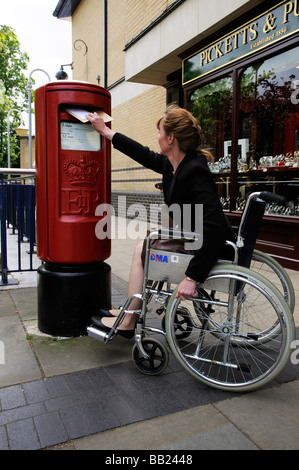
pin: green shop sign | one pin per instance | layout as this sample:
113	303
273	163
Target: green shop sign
268	28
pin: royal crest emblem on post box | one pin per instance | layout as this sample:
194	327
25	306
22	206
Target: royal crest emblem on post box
82	173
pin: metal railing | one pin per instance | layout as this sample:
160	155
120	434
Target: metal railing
17	210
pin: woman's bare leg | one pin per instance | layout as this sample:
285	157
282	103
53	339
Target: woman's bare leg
135	287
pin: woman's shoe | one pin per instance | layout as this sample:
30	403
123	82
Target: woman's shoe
97	321
103	312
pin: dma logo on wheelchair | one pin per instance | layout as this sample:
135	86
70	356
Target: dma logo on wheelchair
160	258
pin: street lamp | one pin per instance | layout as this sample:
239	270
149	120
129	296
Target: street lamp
29	111
61	74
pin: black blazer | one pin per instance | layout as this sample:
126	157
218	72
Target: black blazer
192	184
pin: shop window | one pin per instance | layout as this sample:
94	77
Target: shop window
212	106
267	151
269	123
269	116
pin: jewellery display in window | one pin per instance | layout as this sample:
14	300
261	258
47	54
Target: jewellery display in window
289	208
289	160
223	165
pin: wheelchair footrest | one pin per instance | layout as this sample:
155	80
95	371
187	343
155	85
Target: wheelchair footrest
96	333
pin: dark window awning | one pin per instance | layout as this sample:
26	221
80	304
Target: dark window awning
65	8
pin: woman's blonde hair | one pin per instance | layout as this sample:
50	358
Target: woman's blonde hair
184	127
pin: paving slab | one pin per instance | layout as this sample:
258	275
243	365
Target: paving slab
19	363
63	356
270	417
199	428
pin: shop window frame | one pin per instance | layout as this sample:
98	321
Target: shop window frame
235	71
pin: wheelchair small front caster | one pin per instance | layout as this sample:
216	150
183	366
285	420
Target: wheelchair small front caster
157	360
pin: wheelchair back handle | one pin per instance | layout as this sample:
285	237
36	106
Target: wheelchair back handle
271	197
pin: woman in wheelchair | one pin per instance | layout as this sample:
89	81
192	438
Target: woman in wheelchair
186	181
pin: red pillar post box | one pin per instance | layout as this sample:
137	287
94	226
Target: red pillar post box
73	172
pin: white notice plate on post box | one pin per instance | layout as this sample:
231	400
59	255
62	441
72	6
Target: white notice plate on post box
78	136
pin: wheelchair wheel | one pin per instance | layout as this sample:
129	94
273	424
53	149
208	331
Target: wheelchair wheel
158	357
233	345
264	264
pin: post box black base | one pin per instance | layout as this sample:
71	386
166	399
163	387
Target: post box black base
68	296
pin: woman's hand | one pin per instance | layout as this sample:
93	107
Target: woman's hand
186	289
99	125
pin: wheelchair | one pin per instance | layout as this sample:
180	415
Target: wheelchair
237	333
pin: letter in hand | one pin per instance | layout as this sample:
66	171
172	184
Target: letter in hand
99	125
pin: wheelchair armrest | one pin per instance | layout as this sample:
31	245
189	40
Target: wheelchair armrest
235	250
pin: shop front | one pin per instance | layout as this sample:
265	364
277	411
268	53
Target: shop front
243	86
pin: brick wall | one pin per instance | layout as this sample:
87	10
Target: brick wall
117	25
24	152
140	13
137	116
146	204
87	26
126	18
